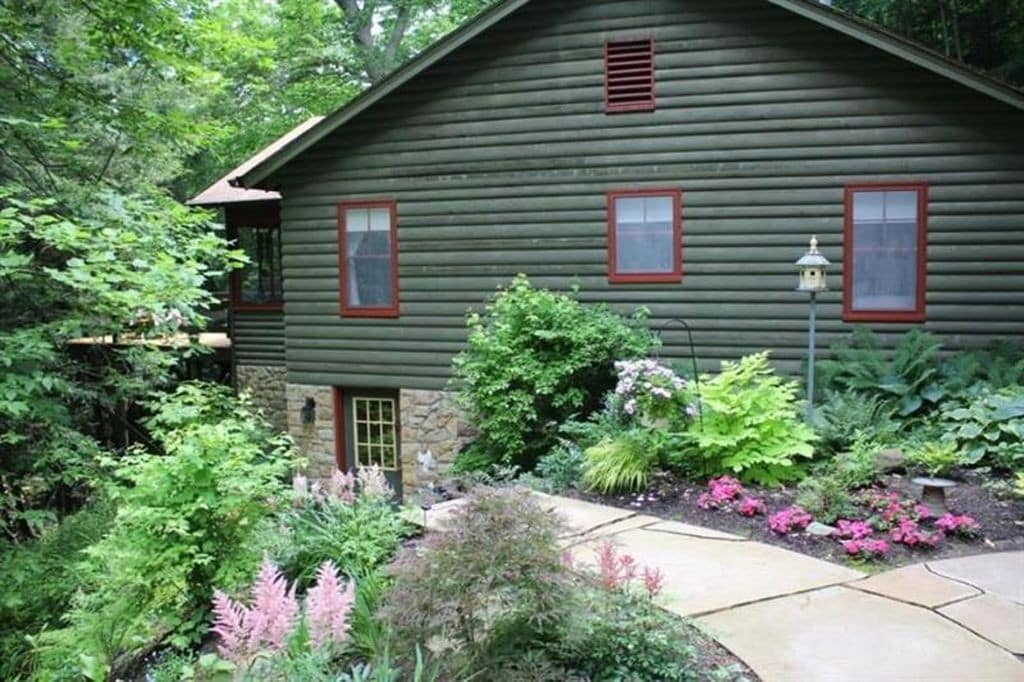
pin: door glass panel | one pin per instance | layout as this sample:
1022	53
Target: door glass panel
375	437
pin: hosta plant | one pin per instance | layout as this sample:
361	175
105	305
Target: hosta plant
990	428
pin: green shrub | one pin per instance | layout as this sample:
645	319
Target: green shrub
614	636
40	579
185	522
750	425
534	358
620	464
562	468
481	592
990	428
358	537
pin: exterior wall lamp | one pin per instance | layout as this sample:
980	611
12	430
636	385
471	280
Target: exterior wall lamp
307	415
813	268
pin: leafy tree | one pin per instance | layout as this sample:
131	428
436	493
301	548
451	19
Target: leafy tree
124	265
987	34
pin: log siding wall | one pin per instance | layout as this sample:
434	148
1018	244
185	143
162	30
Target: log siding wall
500	158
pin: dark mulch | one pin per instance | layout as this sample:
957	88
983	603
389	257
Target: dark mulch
1002	520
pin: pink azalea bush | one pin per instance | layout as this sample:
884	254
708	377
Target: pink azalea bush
853	530
721	492
910	534
789	519
962	525
866	547
267	625
751	506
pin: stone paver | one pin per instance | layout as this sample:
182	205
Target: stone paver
697	531
916	584
609	529
582	516
703	575
839	634
1001	573
793	618
992	617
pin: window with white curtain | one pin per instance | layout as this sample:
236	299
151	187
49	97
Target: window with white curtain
644	232
367	239
884	252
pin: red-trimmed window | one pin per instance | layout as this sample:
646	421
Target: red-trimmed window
885	252
645	235
629	76
256	230
368	258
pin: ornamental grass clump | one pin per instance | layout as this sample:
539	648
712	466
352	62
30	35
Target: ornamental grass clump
623	463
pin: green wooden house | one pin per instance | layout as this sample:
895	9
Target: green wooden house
674	154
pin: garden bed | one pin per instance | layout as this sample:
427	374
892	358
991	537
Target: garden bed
670	497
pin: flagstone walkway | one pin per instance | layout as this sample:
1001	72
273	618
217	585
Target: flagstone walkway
794	618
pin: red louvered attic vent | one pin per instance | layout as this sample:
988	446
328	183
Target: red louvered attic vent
629	76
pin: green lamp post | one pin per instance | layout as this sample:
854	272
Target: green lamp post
813	268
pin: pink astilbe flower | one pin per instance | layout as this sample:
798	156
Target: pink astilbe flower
751	506
568	560
958	525
854	530
627	568
654	581
342	486
789	519
328	607
230	625
608	565
373	483
274	609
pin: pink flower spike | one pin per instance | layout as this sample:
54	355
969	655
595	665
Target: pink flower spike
654	581
231	627
328	607
568	560
274	609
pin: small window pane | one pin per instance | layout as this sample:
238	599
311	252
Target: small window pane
644	241
885	251
260	279
368	257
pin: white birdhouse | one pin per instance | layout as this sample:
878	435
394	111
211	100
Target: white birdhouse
813	267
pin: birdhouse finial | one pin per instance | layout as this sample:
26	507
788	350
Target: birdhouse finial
814	244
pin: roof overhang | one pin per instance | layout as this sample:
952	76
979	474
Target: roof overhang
825	15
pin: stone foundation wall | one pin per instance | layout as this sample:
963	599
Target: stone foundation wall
266	385
431	423
314	441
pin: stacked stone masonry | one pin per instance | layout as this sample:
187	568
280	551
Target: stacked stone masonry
315	441
432	428
266	386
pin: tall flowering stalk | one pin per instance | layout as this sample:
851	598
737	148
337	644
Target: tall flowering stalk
267	625
244	630
328	606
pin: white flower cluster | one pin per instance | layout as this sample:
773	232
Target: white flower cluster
645	377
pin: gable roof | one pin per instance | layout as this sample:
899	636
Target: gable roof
810	9
224	191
